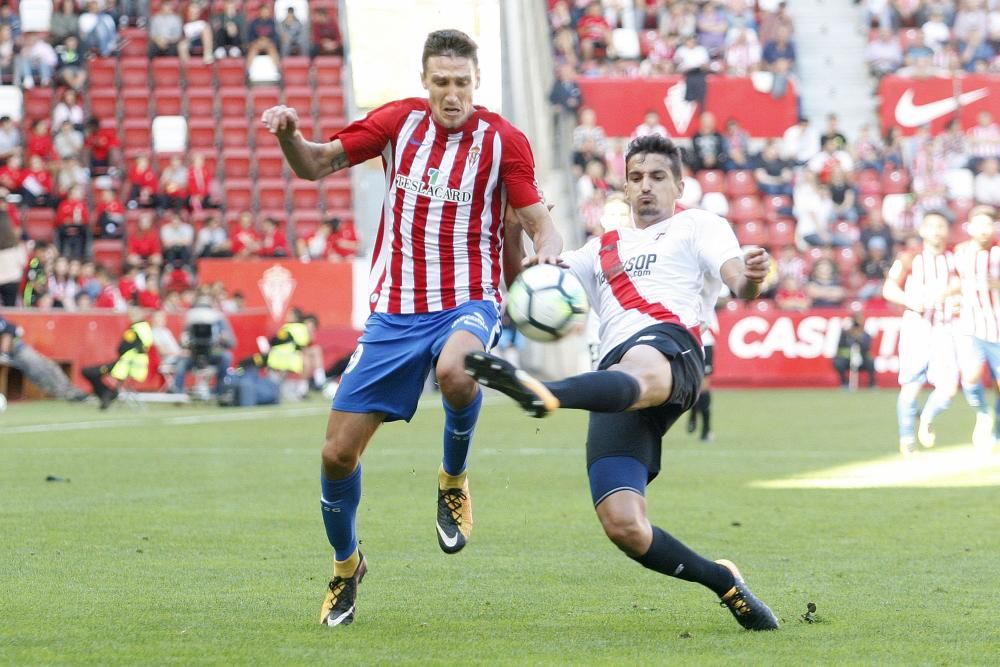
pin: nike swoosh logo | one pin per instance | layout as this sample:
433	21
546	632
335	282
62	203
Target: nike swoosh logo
448	541
332	621
909	114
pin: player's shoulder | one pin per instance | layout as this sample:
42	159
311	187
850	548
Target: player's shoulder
498	123
403	107
701	219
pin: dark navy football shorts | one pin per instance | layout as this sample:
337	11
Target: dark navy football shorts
389	367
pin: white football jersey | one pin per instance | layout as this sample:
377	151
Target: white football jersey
668	272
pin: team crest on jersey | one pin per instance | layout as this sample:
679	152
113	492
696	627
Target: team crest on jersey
474	154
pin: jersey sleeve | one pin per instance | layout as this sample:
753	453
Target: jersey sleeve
584	264
517	169
900	269
716	243
367	137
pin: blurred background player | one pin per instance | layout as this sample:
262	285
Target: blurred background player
651	366
978	265
854	355
132	362
921	282
703	406
451	166
42	371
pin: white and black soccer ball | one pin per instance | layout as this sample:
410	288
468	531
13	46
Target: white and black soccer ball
547	302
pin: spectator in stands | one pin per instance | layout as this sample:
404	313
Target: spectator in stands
10	138
292	35
708	147
712	29
109	213
69	67
565	98
743	52
273	242
824	162
38	61
883	54
213	239
589	130
935	30
245	239
326	40
824	288
262	34
177	238
8	17
102	145
971	17
692	60
614	163
737	160
592	181
843	195
62	287
230	29
772	22
780	48
773	175
800	142
108	294
174	185
144	247
98	31
68	140
951	145
134	12
833	133
142	180
37	186
813	209
594	33
9	71
987	183
65	22
200	182
875	228
198	34
73	225
650	125
68	109
875	266
791	296
12	175
343	242
150	298
984	139
790	264
13	261
977	52
70	174
917	50
166	32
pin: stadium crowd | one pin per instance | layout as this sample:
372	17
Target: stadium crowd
92	216
833	209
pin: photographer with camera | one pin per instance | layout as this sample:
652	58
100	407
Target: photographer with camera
208	340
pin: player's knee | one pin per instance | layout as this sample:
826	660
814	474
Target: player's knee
339	458
626	529
456	385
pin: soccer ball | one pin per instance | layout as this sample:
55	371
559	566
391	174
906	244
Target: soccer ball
546	302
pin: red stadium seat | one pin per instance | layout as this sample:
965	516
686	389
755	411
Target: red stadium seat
236	163
103	102
328	126
166	72
305	223
271	193
103	72
711	180
300	99
782	232
40	224
168	101
745	208
295	71
264	97
305	195
200	102
233	102
868	182
135	72
330	101
231	72
137	134
198	74
752	232
109	253
740	182
201	133
270	162
135	103
234	132
776	206
135	43
238	194
38	103
336	195
328	71
895	181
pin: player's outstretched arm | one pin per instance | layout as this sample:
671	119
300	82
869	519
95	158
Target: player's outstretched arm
307	159
744	275
537	222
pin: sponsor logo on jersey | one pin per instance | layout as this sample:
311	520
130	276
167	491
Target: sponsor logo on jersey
432	189
635	267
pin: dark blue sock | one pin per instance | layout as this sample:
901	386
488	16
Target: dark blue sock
339	500
458	428
598	391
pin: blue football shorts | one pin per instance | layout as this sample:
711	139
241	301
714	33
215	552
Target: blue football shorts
389	367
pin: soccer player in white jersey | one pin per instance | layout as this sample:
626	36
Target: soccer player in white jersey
978	265
451	170
653	287
922	283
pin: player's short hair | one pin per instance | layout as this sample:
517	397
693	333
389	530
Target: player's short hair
452	43
936	214
660	145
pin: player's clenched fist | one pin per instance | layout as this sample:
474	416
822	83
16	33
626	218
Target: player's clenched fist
281	120
757	263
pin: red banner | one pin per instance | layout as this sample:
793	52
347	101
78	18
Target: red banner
321	288
765	347
621	105
910	103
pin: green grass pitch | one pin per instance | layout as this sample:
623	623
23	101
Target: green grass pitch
193	536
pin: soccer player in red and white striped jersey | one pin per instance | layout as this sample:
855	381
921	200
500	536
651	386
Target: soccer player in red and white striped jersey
922	283
978	264
452	171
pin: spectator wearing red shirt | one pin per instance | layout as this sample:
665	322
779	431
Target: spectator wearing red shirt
143	182
108	296
128	283
37	186
343	241
178	279
245	239
12	174
110	216
101	143
39	141
326	40
199	183
273	242
144	246
73	225
594	32
150	296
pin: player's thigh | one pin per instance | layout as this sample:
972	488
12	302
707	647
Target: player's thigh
991	353
472	327
348	433
970	359
942	367
653	372
914	353
450	367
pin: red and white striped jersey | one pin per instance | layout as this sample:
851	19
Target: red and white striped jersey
924	277
979	270
441	230
667	272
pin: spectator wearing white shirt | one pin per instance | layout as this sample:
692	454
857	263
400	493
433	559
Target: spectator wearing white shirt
10	138
800	142
650	125
987	183
98	31
884	54
38	60
68	109
936	31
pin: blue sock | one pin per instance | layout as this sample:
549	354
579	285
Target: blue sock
339	500
458	428
975	396
936	403
906	413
